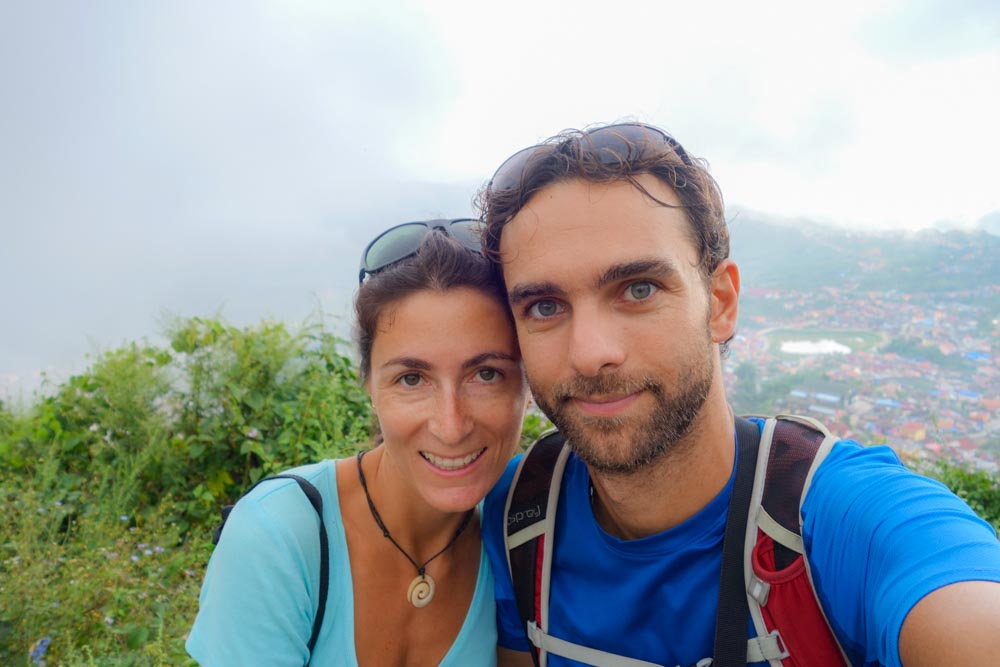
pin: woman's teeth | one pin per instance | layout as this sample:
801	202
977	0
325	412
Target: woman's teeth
452	464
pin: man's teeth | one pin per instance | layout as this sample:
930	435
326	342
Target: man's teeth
452	464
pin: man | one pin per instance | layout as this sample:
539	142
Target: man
615	257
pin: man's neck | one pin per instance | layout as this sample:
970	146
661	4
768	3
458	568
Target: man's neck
672	489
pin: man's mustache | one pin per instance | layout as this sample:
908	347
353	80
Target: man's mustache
612	384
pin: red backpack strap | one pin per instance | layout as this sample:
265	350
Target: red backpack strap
780	589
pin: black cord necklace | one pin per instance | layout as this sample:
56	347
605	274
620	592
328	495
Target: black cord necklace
421	590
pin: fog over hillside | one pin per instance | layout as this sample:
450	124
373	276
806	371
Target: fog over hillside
248	273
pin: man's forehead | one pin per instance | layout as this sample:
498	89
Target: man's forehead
593	225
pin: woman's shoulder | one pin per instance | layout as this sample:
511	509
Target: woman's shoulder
322	475
280	506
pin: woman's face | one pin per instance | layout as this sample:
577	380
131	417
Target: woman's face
448	388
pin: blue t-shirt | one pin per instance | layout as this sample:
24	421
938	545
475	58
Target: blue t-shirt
878	537
262	586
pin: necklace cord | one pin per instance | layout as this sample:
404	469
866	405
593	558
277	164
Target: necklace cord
421	569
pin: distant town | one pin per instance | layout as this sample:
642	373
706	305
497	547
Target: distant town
914	371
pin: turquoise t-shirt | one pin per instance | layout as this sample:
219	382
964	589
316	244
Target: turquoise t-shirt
262	586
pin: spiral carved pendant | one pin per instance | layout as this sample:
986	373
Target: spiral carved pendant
421	590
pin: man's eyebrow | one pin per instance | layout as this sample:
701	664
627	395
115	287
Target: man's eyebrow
649	267
521	293
488	356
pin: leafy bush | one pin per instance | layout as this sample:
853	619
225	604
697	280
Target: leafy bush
535	424
111	484
258	400
197	423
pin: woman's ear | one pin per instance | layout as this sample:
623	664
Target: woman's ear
724	300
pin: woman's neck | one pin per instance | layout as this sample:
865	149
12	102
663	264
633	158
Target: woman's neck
421	530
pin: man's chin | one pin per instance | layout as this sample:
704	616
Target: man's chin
605	447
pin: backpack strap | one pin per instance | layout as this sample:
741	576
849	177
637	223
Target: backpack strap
530	513
316	500
530	525
730	649
791	450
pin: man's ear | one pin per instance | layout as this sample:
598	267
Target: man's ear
725	295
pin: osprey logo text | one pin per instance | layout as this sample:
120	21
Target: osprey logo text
515	518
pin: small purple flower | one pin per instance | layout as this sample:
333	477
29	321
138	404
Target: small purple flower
109	621
135	558
158	549
123	517
253	433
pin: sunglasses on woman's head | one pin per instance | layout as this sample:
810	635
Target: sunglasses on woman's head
402	241
612	144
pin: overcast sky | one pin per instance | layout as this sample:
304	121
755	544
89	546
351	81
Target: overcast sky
233	157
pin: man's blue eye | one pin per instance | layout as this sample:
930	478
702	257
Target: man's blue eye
640	291
544	309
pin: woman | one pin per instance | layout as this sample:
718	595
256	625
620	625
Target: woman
409	583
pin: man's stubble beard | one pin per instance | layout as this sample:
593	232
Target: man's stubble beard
628	444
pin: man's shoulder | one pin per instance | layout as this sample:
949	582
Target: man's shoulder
498	493
848	456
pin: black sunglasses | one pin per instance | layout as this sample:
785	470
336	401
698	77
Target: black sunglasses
623	142
397	243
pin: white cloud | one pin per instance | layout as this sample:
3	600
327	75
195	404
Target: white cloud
193	156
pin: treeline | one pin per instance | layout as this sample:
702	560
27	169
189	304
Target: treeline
783	253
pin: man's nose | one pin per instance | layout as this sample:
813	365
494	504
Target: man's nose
596	342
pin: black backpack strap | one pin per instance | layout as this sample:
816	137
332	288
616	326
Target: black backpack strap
733	614
316	500
528	506
796	449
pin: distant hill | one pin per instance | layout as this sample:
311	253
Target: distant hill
990	223
779	253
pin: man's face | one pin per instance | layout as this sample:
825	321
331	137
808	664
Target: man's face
614	318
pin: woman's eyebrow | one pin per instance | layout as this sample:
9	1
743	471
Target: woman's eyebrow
408	362
641	267
488	356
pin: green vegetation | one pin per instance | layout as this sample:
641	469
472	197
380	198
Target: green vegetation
111	484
